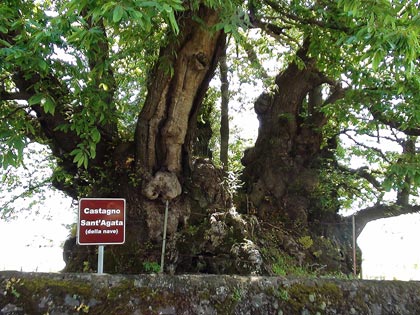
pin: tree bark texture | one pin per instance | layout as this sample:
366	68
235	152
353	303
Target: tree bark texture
282	169
175	94
279	168
224	111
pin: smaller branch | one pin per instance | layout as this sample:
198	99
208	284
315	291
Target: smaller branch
9	204
252	56
276	7
367	147
393	124
275	31
379	137
362	172
396	138
336	95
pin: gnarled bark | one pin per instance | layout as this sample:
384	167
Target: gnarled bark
279	169
282	169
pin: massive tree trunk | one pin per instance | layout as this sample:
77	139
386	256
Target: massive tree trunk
167	123
282	169
158	166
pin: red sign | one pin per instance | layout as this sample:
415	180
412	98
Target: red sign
101	221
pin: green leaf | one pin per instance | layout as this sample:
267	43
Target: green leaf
85	162
96	136
147	4
43	65
118	13
80	161
36	99
173	22
136	15
77	154
80	158
228	28
92	151
6	44
416	179
49	105
377	58
177	5
167	8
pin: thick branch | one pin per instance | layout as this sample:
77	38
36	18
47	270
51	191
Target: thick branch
14	96
253	58
271	29
376	212
64	142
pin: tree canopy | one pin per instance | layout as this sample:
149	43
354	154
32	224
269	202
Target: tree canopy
117	87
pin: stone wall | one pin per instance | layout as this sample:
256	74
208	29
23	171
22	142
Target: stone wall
65	294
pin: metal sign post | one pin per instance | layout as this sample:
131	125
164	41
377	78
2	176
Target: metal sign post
100	259
354	247
165	225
